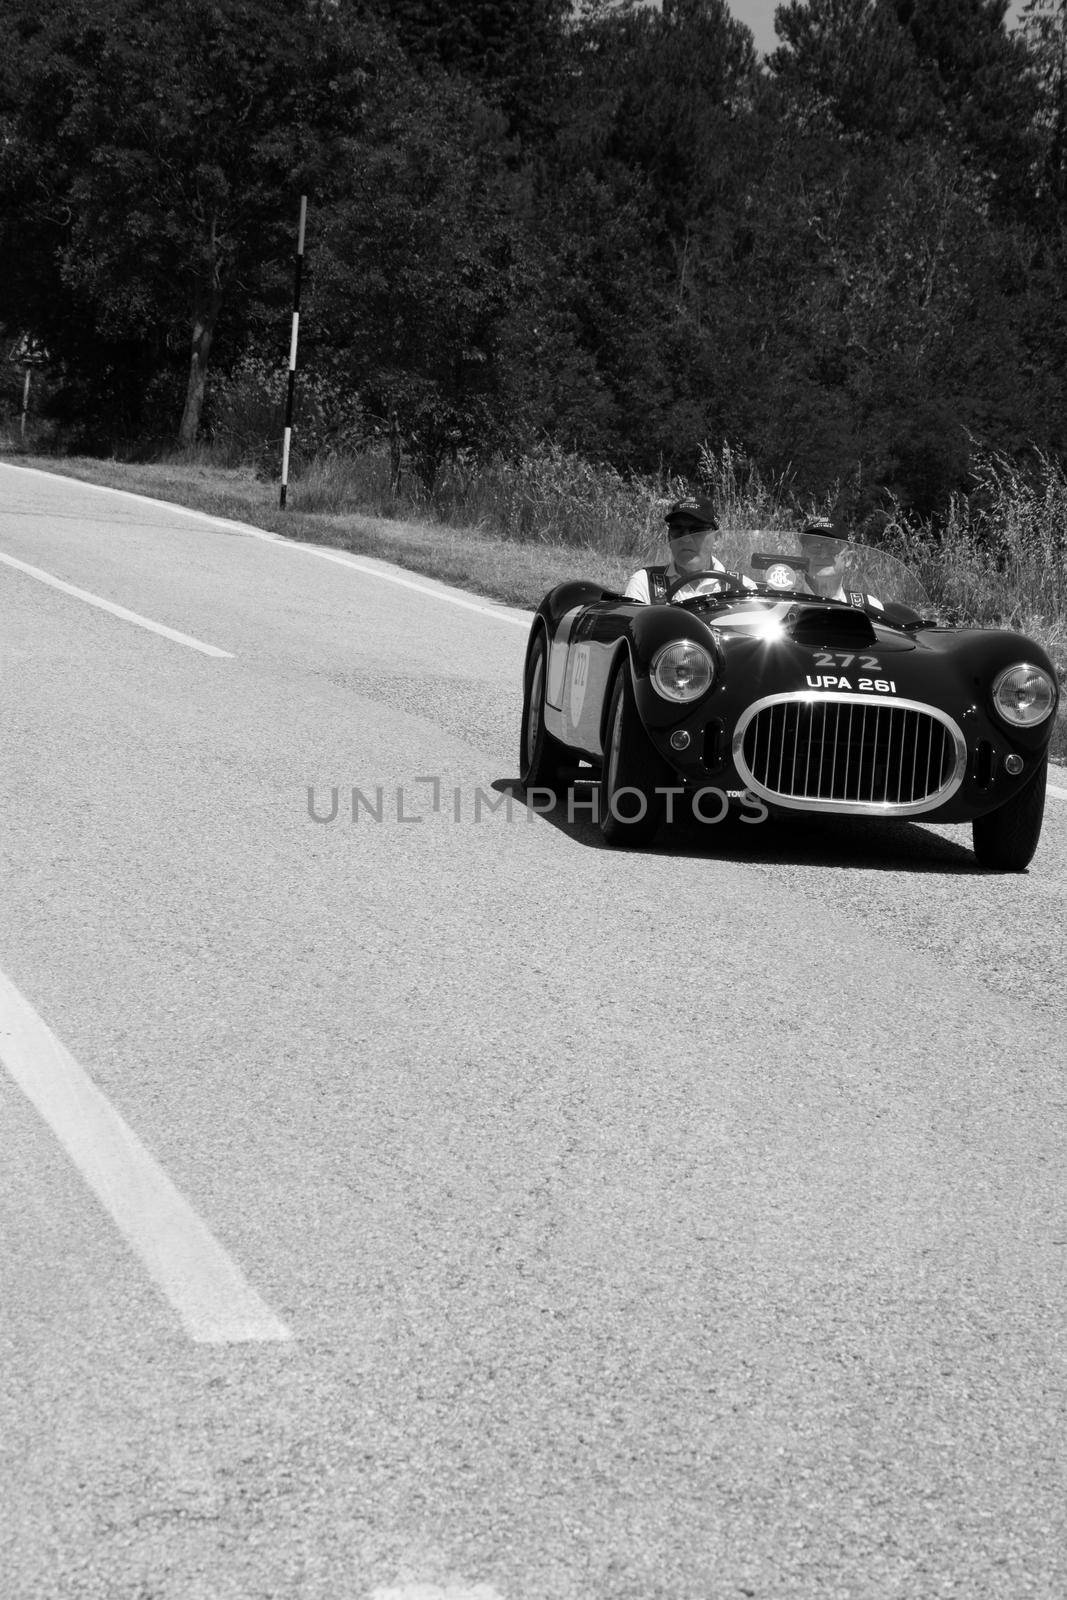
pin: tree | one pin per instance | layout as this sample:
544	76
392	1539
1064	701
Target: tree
418	267
980	77
634	200
907	69
157	157
850	61
508	49
1044	30
659	93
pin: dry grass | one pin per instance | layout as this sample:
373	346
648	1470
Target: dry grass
1001	558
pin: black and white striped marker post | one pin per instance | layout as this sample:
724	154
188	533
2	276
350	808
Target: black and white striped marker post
287	439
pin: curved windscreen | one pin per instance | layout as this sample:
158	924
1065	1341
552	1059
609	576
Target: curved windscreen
821	565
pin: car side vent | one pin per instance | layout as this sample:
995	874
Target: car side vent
832	627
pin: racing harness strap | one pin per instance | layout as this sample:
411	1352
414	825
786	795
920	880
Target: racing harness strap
657	585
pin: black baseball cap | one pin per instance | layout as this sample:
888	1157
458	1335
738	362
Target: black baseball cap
691	513
818	528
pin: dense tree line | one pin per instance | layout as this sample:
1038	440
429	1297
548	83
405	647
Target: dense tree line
607	225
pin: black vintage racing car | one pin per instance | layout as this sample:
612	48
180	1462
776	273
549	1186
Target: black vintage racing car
778	688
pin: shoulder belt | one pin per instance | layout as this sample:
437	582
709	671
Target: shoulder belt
657	584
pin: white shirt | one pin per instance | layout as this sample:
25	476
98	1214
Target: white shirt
637	587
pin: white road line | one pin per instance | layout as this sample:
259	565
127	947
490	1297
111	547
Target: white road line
116	611
207	1289
373	569
435	1591
522	620
1061	794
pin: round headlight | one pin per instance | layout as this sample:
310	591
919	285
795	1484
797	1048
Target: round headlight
1024	695
682	671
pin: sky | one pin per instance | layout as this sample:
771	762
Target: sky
758	15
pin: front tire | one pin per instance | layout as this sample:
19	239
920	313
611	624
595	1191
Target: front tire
541	756
1005	839
631	809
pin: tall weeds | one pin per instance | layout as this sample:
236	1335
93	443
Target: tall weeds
743	500
549	497
553	497
1000	559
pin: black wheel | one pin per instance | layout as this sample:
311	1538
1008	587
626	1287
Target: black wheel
630	808
541	757
1006	839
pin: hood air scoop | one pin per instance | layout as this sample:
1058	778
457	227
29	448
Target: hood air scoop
830	626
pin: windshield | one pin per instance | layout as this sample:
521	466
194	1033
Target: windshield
813	565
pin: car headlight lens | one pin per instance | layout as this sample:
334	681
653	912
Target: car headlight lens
682	671
1024	695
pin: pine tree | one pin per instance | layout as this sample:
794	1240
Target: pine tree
850	61
1044	30
510	48
980	76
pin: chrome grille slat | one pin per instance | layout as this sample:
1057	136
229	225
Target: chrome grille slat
892	768
914	767
781	743
848	747
813	752
864	747
884	736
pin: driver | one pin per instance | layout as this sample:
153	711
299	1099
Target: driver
690	525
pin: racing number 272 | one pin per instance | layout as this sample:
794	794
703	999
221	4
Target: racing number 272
835	659
839	680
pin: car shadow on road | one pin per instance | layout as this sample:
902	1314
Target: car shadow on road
893	845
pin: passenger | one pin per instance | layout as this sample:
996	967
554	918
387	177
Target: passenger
828	558
691	526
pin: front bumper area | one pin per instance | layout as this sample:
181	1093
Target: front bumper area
853	754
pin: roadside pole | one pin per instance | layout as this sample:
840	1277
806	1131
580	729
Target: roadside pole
27	354
287	439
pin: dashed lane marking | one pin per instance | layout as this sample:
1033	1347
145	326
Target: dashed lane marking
116	611
203	1284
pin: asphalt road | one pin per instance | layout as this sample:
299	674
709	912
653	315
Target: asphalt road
451	1207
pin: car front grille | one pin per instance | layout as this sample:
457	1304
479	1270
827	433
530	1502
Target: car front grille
849	753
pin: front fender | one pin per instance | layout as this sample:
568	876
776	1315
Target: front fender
971	661
651	629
